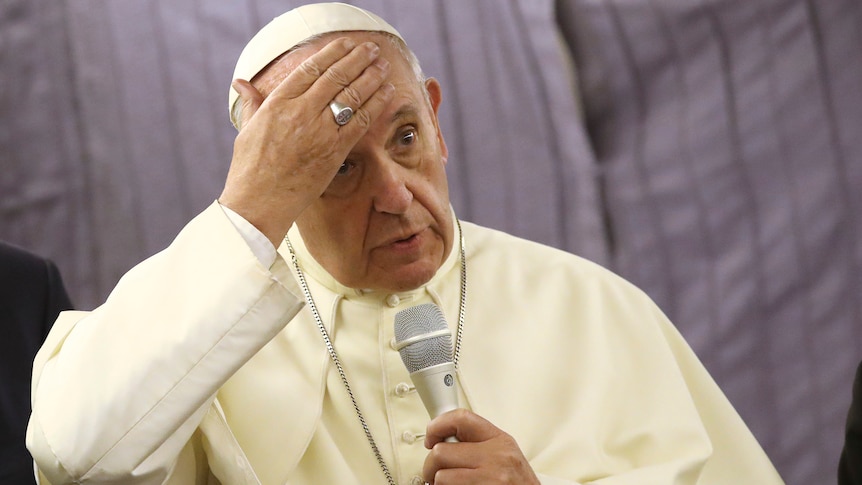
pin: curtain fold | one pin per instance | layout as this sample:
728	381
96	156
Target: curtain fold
723	131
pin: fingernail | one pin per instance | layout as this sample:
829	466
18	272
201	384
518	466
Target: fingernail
237	86
349	43
382	63
374	50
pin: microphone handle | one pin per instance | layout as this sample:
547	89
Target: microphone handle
438	388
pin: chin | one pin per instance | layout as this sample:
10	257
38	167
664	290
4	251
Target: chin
407	285
405	280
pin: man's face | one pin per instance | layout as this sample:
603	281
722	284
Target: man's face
384	221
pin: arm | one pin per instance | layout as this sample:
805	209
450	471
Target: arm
633	404
118	393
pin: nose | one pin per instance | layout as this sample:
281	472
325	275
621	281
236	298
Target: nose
391	194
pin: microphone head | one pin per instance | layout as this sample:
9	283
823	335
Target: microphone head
412	325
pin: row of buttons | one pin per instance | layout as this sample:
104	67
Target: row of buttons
402	389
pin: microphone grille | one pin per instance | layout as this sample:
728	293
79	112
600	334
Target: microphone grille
417	321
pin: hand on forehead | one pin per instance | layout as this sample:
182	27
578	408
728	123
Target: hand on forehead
272	75
293	28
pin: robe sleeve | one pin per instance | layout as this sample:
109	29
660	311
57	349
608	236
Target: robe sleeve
119	392
604	390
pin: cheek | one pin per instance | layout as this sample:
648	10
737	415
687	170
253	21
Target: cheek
435	182
317	230
340	228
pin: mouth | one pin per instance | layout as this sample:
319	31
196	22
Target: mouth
405	242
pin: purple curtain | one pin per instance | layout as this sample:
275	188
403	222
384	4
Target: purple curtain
710	151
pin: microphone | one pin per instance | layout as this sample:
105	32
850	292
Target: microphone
424	342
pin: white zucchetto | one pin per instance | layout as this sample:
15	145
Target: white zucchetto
290	28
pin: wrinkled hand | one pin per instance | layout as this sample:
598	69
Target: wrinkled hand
485	454
289	147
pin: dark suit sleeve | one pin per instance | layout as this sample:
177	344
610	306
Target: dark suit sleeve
850	465
57	298
32	295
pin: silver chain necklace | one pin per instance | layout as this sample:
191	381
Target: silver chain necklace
462	304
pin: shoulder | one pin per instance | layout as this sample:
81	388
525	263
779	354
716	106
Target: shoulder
484	242
541	267
31	283
18	264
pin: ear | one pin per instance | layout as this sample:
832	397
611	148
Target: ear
435	96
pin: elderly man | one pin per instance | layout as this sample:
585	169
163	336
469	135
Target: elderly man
225	360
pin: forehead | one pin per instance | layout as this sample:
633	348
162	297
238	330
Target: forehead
400	70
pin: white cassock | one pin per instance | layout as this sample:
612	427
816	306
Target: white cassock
205	366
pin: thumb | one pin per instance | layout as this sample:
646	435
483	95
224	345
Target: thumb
250	100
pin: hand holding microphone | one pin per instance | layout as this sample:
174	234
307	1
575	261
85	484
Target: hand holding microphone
488	454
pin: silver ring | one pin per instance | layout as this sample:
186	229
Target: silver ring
342	112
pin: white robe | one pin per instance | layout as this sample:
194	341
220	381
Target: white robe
190	373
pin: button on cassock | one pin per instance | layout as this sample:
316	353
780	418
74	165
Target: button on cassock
409	437
402	389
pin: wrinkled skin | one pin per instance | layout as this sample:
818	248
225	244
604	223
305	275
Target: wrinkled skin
370	198
484	453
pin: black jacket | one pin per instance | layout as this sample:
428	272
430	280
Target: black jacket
31	297
850	466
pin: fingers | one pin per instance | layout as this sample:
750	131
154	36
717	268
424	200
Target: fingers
461	476
250	100
451	456
364	116
363	61
354	75
485	453
498	460
462	424
330	70
355	83
364	86
309	70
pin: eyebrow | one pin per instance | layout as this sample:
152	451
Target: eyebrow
406	111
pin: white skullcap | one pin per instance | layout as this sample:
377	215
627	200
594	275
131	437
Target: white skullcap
289	29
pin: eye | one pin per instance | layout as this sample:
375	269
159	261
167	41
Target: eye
408	137
345	168
345	181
